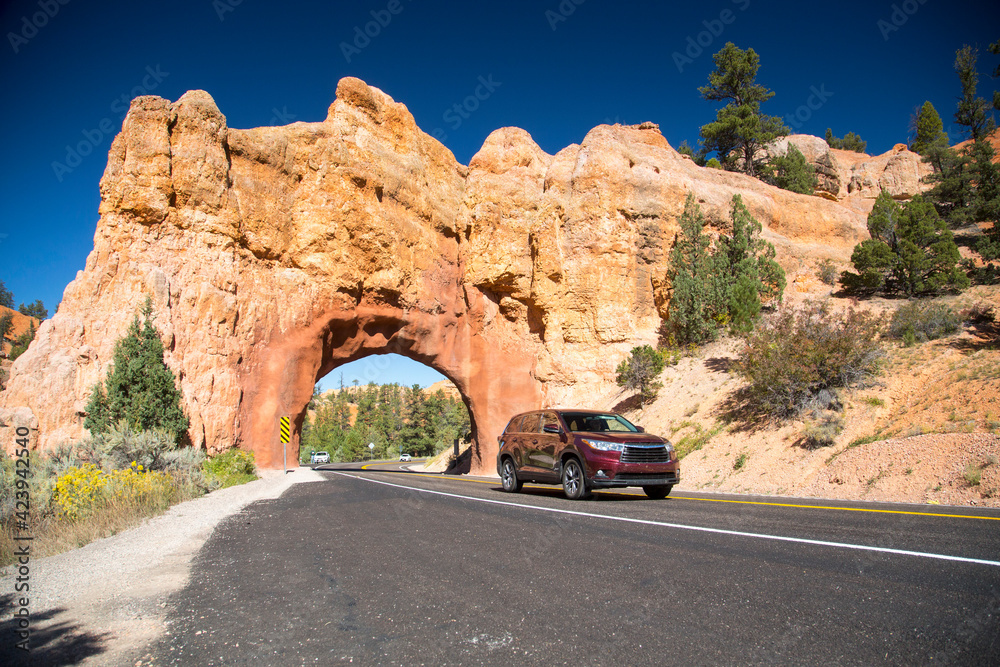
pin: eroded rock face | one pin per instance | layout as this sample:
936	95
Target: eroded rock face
857	178
274	255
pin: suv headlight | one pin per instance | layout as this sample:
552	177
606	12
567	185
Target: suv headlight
605	446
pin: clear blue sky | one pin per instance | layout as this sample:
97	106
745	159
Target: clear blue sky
556	69
382	369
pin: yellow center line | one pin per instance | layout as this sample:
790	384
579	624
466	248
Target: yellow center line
842	509
717	500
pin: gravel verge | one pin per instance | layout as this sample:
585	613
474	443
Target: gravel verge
102	603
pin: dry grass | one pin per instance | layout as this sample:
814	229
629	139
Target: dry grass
53	535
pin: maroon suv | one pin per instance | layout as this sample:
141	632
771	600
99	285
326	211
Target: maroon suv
584	450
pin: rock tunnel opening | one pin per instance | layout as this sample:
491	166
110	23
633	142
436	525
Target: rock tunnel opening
281	381
382	406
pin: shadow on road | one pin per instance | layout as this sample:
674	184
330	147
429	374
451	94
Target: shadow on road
51	641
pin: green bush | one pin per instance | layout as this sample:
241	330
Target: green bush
139	388
827	272
721	288
185	465
695	440
121	446
792	172
21	343
850	142
973	474
6	324
911	251
639	372
920	322
230	468
794	359
822	430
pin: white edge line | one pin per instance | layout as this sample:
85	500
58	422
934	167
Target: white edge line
664	524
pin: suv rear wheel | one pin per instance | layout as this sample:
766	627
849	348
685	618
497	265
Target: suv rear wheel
508	477
658	492
574	482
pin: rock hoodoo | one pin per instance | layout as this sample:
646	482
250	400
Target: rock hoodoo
275	254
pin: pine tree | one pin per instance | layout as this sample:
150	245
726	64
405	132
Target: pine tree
929	130
850	142
874	259
967	182
36	310
368	405
414	434
690	318
994	48
6	324
973	113
639	372
752	276
792	172
698	158
139	389
911	250
740	131
6	296
928	256
725	288
21	343
953	189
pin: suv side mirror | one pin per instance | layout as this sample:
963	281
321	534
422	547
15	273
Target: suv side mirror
551	428
640	429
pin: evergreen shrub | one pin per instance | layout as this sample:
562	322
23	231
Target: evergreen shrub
800	354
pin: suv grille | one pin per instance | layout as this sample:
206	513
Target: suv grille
645	454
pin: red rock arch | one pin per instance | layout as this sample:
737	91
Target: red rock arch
493	387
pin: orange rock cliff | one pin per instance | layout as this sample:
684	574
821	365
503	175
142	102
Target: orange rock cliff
275	254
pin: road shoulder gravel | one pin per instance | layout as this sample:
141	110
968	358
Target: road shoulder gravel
101	603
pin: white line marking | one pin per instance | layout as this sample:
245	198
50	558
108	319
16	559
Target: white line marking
703	529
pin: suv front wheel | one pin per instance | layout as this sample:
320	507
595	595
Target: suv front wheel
574	482
658	492
508	477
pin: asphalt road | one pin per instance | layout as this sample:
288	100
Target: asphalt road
387	567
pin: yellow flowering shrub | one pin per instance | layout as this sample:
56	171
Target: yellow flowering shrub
81	490
143	487
78	489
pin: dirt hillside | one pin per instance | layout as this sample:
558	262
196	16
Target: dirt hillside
925	433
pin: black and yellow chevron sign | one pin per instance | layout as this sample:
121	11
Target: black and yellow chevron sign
286	430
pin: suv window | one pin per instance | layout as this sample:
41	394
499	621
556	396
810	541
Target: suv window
530	423
597	422
548	418
515	425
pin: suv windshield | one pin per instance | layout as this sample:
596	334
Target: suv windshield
595	423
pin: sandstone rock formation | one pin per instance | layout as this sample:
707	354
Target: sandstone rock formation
273	255
857	178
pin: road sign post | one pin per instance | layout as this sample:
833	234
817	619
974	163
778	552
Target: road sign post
285	429
371	451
